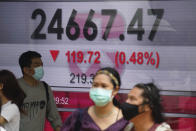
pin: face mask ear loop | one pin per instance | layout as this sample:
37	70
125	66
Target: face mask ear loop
112	97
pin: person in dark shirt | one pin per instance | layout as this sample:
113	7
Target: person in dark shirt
143	108
103	115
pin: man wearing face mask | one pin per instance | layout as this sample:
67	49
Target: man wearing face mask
143	108
39	103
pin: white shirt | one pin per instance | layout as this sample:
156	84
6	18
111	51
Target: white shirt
2	129
163	127
10	112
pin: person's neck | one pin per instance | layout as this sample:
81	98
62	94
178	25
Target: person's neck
30	80
143	122
104	111
4	100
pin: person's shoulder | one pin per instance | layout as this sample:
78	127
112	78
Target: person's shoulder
20	80
13	106
9	106
129	126
44	84
21	83
2	129
73	118
10	111
80	110
77	114
163	127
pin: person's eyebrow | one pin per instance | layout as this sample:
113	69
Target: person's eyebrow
131	96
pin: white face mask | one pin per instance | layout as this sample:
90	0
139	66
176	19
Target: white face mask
100	96
39	73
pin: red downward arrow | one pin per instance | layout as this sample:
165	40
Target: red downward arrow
54	54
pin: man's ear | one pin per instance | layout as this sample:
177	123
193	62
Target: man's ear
144	108
146	105
25	70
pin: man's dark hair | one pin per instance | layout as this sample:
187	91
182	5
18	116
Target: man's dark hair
25	60
152	97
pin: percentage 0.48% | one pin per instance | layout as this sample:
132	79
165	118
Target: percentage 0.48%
139	58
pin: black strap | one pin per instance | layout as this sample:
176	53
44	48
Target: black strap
78	122
46	89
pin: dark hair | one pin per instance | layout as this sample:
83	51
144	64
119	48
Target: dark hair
112	71
152	97
25	59
115	73
11	89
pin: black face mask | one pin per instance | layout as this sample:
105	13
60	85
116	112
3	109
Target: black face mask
129	111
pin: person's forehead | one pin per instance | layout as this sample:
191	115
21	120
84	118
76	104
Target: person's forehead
102	78
36	60
135	92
